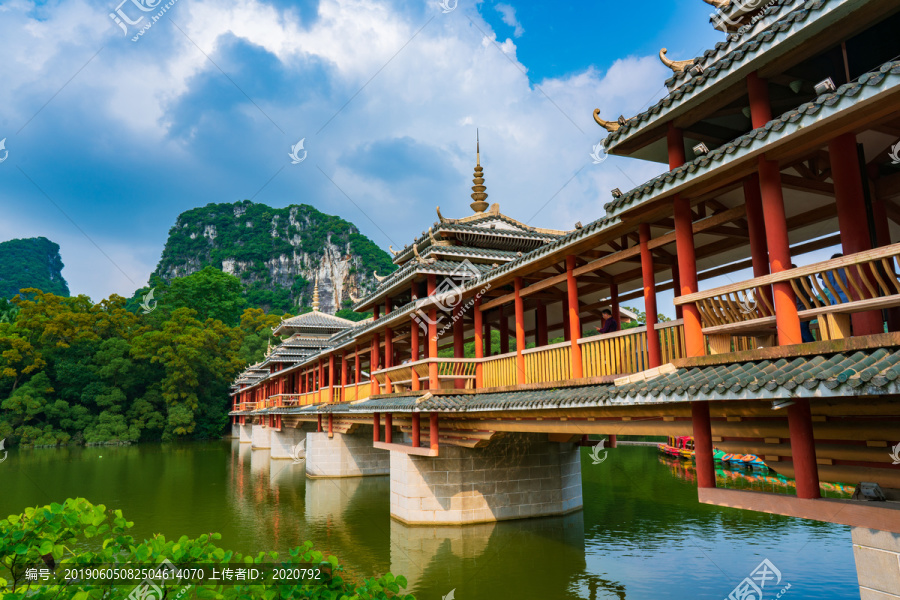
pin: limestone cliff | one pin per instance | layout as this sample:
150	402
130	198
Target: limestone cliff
276	252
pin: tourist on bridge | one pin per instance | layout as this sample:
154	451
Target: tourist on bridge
609	324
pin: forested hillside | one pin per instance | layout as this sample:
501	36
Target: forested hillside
31	262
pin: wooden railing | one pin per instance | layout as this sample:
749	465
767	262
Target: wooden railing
838	287
619	353
548	363
448	369
671	340
499	370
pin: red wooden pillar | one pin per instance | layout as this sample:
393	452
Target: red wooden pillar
479	344
786	320
759	250
321	380
376	427
703	449
357	374
388	349
414	352
574	320
458	341
520	331
803	449
388	428
613	440
852	221
433	382
344	369
684	243
415	430
654	351
504	331
319	426
375	360
330	425
433	430
331	377
540	324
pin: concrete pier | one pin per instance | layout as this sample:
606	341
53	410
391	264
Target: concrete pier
515	477
289	443
877	555
244	433
260	437
345	455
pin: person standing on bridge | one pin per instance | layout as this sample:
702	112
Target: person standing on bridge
609	324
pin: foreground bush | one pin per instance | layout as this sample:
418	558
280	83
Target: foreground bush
77	533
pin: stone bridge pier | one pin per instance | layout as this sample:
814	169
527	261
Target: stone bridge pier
243	432
516	476
345	454
288	443
260	436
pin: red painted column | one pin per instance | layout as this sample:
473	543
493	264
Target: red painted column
414	352
771	193
574	327
694	343
433	430
852	221
703	448
330	425
375	360
613	440
344	368
520	331
388	428
388	349
458	341
357	374
331	377
756	225
319	427
654	351
416	432
504	331
433	382
321	381
803	449
479	344
376	427
540	324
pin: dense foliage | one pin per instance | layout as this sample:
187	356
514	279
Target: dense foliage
77	534
269	249
75	371
32	262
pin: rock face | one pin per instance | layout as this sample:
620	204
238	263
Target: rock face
31	263
276	252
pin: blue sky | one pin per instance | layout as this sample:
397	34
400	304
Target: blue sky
110	139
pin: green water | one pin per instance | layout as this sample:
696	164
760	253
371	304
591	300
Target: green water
641	534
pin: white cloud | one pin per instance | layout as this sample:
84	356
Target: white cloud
508	15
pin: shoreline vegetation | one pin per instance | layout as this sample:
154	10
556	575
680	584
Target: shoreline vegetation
41	541
125	370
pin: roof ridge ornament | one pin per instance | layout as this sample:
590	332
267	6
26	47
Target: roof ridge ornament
440	216
479	197
394	252
377	278
610	126
677	66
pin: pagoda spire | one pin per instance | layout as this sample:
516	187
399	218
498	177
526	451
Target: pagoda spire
315	304
479	196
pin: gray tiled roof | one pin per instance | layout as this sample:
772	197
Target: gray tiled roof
736	49
887	72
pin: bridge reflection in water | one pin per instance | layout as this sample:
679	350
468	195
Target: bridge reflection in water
641	535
